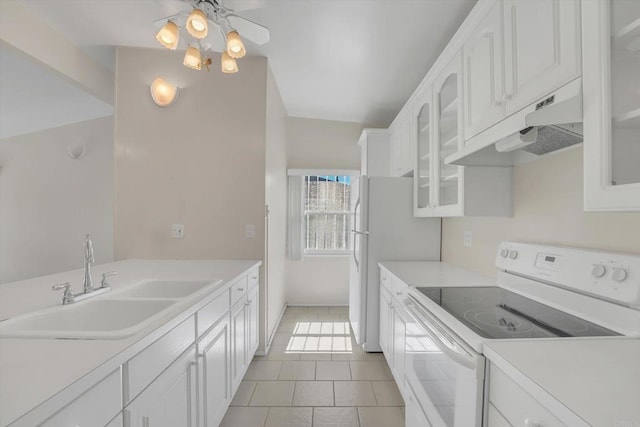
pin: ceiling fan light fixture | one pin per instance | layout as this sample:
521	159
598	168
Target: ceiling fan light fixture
192	58
228	64
235	47
197	24
169	35
163	92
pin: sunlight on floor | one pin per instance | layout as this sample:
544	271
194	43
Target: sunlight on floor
320	337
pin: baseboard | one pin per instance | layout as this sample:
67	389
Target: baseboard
317	305
266	350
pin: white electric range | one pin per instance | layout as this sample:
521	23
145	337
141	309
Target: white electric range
541	292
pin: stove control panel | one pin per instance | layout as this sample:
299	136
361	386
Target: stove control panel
612	276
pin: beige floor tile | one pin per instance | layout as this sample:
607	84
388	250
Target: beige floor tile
321	309
355	353
387	393
244	417
263	370
335	417
333	317
243	395
354	393
370	370
313	393
289	417
333	371
286	327
373	356
389	416
280	352
273	393
343	309
315	356
281	339
298	370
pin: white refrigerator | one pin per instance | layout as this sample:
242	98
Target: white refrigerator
383	229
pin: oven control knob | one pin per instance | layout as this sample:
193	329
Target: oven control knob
504	253
619	274
598	270
513	254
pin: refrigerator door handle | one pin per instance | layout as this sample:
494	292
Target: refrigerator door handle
366	233
355	259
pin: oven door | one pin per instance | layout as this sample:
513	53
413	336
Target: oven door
445	374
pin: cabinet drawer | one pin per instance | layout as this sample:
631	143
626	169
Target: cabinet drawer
212	312
385	279
254	278
96	406
151	361
515	404
238	289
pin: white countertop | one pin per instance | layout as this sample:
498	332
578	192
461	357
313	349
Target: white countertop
435	274
598	380
35	371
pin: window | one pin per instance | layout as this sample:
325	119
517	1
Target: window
327	214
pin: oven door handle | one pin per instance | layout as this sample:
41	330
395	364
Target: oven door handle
451	348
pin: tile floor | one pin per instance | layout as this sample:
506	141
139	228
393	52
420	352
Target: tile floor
316	376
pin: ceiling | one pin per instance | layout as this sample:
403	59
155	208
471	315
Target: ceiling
32	96
345	60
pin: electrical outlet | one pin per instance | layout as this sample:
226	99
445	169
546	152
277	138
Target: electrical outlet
250	231
467	239
177	231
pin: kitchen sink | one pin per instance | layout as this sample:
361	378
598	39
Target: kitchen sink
98	319
164	289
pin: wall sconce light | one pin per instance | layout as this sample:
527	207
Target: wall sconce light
163	92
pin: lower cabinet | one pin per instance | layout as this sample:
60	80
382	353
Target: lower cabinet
214	366
385	325
170	400
239	354
392	335
253	322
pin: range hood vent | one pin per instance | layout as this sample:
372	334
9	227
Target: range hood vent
550	124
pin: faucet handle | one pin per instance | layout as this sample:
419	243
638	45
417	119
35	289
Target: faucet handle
103	283
67	296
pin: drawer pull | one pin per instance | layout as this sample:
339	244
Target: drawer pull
531	423
240	289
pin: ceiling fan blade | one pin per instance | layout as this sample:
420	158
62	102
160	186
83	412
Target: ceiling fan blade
179	19
250	30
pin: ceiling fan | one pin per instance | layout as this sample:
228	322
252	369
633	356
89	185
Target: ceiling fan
210	26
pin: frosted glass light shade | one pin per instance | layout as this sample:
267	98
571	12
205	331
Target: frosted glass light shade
197	24
168	35
192	58
228	64
163	92
235	47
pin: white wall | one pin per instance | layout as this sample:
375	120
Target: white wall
276	199
548	208
48	201
198	162
322	144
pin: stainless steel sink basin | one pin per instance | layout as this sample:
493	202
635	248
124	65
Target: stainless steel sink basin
164	289
98	319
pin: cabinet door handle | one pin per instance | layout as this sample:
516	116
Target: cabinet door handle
240	289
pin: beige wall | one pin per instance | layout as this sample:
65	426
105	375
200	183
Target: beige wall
199	162
547	209
276	199
321	144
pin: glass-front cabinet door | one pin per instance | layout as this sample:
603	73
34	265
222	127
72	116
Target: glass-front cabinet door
611	79
423	173
448	139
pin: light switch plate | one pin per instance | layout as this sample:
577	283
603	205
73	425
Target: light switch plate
467	239
250	231
177	231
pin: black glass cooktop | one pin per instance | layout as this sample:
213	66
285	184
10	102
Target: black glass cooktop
494	312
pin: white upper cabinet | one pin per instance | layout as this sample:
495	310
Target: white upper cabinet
611	90
402	144
484	97
541	48
422	203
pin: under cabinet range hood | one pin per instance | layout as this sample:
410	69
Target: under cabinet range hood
549	124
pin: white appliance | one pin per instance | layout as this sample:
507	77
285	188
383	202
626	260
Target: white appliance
541	292
384	229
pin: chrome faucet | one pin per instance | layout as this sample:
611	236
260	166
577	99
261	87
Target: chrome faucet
88	290
88	260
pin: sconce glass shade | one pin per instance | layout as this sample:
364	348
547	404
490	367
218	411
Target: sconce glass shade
163	92
197	24
168	35
192	58
235	47
228	64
